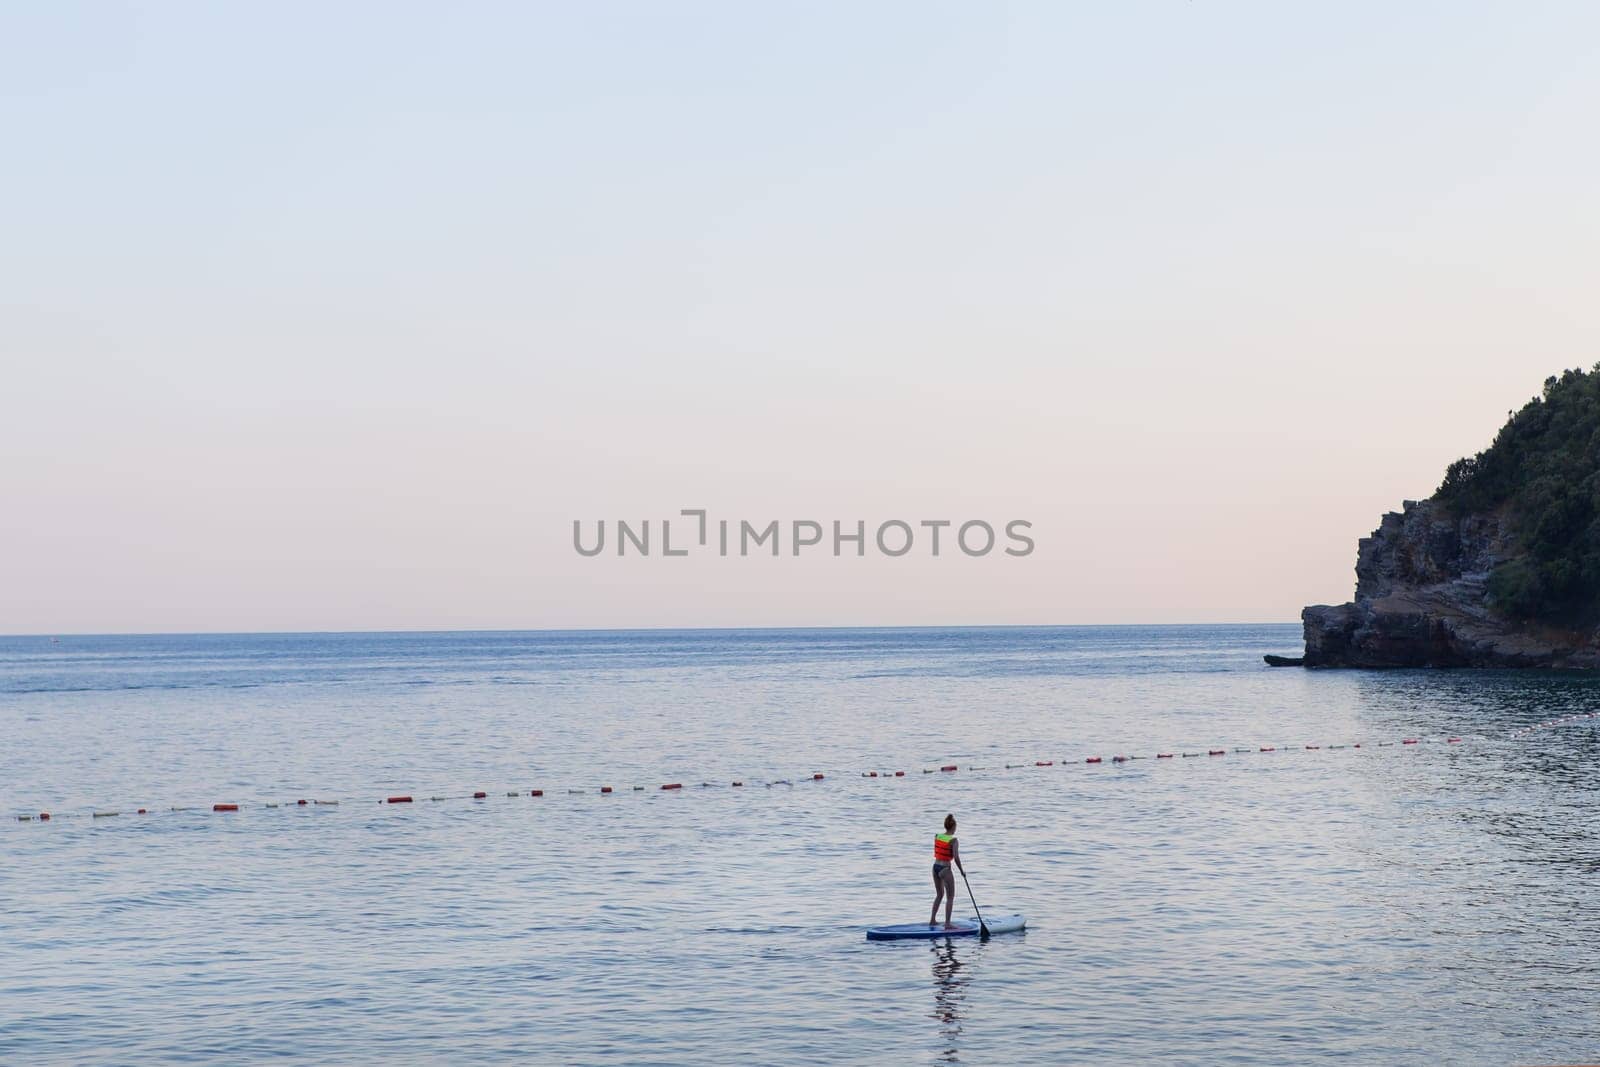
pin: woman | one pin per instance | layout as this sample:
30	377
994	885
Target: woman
946	850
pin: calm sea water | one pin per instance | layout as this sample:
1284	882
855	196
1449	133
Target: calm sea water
1384	905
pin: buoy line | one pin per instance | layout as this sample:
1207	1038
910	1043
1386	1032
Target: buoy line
676	788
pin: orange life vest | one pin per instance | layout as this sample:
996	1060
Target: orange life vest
941	848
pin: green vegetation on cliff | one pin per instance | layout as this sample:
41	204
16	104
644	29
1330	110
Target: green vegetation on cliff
1542	474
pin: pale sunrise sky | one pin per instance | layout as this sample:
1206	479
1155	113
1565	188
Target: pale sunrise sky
336	316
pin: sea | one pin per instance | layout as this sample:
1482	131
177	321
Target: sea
1284	866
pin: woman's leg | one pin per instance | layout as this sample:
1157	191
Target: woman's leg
949	889
938	895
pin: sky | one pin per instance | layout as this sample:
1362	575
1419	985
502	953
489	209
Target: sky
337	316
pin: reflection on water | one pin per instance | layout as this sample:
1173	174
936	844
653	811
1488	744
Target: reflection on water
950	977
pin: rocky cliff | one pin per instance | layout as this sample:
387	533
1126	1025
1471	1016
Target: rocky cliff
1499	568
1421	601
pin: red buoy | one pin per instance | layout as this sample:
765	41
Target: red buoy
899	774
1409	741
44	816
1217	752
479	795
673	785
224	807
1044	763
1453	740
399	800
141	811
536	792
605	789
302	803
948	767
1163	755
816	777
1268	748
1092	759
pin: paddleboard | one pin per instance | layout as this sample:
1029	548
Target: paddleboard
1003	924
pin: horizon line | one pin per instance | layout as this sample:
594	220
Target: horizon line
48	635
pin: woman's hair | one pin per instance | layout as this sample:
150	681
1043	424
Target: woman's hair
949	824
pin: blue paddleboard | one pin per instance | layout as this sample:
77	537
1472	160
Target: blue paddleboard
1003	924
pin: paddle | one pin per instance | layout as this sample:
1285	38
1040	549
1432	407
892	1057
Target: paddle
983	927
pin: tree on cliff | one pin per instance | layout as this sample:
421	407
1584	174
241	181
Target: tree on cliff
1542	476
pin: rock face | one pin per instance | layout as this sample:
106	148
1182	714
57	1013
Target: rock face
1421	580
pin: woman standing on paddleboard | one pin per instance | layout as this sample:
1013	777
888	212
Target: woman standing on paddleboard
946	850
